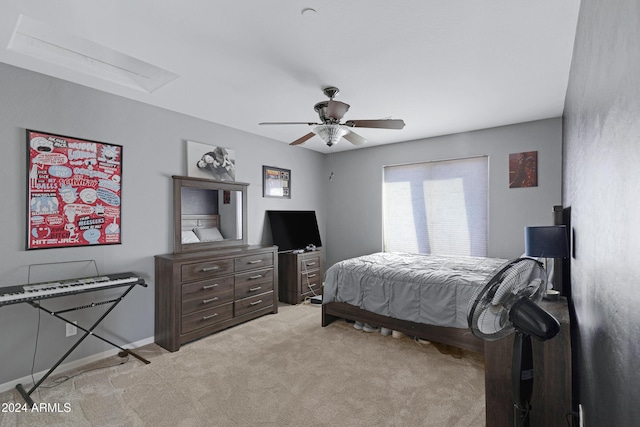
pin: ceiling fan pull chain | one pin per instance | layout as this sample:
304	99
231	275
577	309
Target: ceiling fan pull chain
330	165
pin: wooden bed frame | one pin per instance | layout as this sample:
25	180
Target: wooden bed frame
461	338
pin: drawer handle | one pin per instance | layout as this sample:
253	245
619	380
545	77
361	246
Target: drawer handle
255	277
207	301
211	316
214	285
256	302
309	264
312	285
257	261
311	275
257	288
214	268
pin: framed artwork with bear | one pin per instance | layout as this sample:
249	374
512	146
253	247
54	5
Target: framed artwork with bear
210	162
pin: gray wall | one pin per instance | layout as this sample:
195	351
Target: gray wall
154	149
354	211
602	187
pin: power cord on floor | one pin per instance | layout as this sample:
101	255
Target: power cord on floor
307	301
64	378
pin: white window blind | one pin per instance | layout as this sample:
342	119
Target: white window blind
437	207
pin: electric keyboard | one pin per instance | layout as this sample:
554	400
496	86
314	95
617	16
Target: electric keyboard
37	291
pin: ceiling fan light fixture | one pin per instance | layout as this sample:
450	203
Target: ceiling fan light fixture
330	130
330	134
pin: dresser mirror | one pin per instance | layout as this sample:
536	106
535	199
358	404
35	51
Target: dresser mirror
208	214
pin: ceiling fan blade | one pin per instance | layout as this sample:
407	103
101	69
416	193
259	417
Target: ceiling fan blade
336	109
289	123
382	124
354	138
303	139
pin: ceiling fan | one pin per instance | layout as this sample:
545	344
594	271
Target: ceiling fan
330	130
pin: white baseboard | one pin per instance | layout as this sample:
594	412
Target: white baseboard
72	365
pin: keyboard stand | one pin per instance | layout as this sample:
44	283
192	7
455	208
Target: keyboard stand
26	395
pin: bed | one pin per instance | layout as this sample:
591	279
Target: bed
425	296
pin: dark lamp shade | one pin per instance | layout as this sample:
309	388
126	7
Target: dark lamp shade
546	241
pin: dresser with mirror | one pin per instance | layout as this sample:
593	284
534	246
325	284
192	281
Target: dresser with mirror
213	280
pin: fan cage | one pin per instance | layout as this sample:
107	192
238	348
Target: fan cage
488	312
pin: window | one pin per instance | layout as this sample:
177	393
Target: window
437	207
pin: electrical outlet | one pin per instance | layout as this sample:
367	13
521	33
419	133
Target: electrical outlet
71	329
580	415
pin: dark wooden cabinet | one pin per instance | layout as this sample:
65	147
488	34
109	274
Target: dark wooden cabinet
199	293
551	398
300	276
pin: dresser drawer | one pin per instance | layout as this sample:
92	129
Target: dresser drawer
207	287
205	318
206	269
251	262
251	289
254	277
201	301
310	262
310	277
311	284
257	302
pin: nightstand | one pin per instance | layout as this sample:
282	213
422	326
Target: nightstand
300	275
551	398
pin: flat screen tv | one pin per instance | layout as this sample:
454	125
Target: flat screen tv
292	230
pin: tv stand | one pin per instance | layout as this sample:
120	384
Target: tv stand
300	275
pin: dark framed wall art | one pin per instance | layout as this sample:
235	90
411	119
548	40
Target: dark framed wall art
74	191
276	182
523	169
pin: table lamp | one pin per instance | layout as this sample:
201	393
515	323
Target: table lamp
547	242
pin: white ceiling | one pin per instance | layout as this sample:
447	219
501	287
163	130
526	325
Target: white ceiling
444	66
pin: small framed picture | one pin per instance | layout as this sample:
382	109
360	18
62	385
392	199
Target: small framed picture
523	169
276	182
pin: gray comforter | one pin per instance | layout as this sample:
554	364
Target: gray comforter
431	289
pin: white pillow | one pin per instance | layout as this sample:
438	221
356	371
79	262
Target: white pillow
189	237
208	234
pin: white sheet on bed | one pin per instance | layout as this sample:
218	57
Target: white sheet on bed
431	289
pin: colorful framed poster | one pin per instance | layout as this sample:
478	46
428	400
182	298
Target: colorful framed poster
74	191
276	182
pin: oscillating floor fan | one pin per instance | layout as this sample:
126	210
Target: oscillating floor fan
507	301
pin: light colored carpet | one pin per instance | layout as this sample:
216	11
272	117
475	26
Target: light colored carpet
278	370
